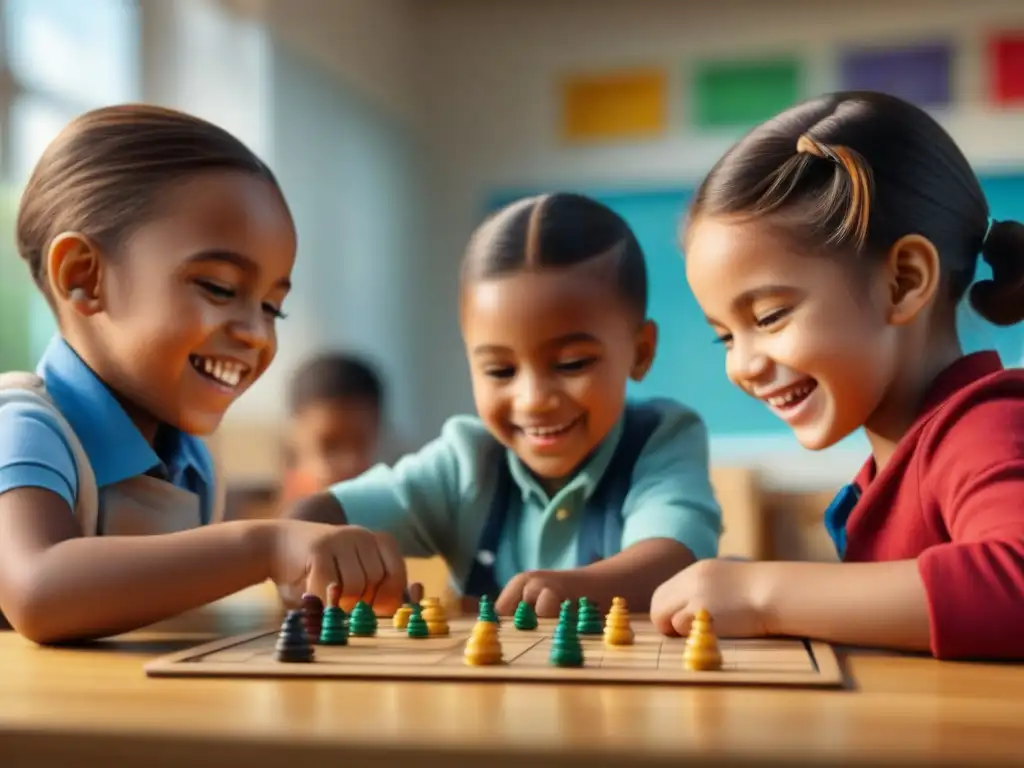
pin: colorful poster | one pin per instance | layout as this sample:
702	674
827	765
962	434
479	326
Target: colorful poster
1006	68
613	106
729	94
920	73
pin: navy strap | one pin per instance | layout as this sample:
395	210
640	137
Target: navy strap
601	528
838	513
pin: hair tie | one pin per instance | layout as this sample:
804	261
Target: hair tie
808	146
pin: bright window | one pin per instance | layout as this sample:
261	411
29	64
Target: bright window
64	57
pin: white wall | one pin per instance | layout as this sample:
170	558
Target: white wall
492	69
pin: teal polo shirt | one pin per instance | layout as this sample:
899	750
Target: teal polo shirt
436	501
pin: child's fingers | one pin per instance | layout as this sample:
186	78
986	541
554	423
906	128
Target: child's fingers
510	596
532	589
548	603
323	570
374	571
681	622
351	577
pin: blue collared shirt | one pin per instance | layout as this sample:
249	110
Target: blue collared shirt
34	452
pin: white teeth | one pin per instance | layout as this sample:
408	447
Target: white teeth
780	401
226	372
548	431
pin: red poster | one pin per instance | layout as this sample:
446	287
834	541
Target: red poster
1006	68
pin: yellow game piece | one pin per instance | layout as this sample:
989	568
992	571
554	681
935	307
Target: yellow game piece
401	617
702	653
434	615
617	628
483	646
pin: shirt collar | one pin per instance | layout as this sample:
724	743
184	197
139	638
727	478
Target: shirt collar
116	449
583	482
960	373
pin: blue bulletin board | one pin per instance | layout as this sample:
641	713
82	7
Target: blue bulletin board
689	366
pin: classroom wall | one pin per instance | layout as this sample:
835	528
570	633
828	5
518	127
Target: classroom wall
492	71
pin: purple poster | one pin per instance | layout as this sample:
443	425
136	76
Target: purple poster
920	73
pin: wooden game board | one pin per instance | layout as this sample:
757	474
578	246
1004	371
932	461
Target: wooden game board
652	659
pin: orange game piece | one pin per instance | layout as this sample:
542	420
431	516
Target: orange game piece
702	653
617	627
483	646
434	615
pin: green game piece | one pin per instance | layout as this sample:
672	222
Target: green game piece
525	617
487	611
567	614
334	630
566	648
589	621
362	622
417	627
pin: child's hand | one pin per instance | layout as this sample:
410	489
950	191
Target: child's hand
369	566
544	590
732	592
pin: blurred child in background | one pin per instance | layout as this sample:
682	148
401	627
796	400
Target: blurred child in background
335	422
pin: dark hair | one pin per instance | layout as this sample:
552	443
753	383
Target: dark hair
103	173
335	376
557	231
856	171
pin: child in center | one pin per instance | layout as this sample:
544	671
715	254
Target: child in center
164	248
559	488
829	250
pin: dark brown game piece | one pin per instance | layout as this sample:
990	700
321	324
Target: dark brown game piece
312	616
293	644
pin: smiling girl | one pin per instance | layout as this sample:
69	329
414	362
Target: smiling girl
164	247
829	250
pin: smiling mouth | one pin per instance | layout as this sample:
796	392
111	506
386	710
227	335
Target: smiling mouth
793	396
550	432
227	373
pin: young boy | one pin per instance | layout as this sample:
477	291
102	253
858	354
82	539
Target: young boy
558	489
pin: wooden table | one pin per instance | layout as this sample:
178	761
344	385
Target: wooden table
94	706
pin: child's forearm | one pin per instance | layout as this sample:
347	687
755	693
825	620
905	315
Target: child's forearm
84	588
635	572
861	604
319	508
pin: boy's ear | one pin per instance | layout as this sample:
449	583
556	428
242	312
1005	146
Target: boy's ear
73	266
646	343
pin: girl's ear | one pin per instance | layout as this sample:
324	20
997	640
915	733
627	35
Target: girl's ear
73	267
913	276
646	343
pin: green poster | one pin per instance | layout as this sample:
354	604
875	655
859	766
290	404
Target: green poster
741	93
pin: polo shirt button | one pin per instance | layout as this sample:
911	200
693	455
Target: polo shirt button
562	515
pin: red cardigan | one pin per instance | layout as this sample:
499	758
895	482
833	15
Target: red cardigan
952	496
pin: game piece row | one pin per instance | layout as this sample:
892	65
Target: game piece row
314	624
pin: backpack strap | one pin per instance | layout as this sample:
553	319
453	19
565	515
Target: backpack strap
18	386
481	579
600	533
